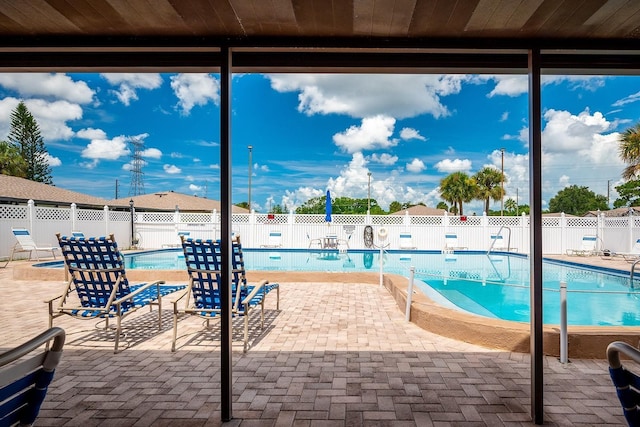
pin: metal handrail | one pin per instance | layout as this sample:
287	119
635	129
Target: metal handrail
633	267
499	233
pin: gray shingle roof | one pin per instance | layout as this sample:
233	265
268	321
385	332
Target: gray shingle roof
15	189
168	200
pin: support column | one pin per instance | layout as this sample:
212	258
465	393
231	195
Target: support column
535	258
226	374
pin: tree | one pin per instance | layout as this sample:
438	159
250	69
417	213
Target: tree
25	134
442	205
577	200
489	184
629	194
630	151
511	206
11	162
243	205
395	206
458	188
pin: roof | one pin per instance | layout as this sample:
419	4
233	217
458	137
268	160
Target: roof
420	210
616	212
169	200
15	189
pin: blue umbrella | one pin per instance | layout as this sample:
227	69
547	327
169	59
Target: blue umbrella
327	208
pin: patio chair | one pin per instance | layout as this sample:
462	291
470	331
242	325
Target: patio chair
587	248
275	240
631	256
406	241
626	382
313	242
24	384
239	271
451	242
98	287
77	234
202	296
25	243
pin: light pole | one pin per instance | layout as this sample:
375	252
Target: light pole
502	184
369	194
249	202
132	233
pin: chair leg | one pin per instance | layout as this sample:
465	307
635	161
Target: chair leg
118	331
278	298
175	331
159	311
262	314
246	327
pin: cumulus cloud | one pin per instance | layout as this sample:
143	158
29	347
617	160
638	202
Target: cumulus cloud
195	89
416	166
52	161
373	133
91	133
399	96
106	149
566	132
151	153
195	188
456	165
409	133
171	169
56	85
129	83
384	159
52	117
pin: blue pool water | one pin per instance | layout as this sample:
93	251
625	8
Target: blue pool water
495	286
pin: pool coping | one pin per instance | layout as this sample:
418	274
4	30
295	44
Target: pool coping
585	342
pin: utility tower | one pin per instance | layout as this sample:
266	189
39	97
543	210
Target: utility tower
137	185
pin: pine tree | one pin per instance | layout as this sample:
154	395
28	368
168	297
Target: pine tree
25	134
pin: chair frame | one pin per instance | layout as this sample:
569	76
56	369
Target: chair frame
24	384
271	243
449	236
627	383
406	236
28	246
123	299
583	251
240	306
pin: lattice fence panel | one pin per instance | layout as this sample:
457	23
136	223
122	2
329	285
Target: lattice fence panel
616	222
551	221
348	219
194	217
272	218
468	220
507	221
156	216
119	216
427	220
13	212
387	219
581	222
240	218
309	219
53	214
90	215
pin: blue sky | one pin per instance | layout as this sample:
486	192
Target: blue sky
313	132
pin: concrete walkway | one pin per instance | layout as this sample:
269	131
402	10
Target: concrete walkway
335	355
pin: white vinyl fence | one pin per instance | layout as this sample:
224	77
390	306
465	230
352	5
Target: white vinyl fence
154	230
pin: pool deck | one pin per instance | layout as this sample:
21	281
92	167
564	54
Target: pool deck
339	354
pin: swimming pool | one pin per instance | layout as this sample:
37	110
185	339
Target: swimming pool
495	286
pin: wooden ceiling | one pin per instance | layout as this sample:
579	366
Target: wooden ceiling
299	35
499	19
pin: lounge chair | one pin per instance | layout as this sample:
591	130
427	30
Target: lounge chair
25	243
497	243
98	287
587	248
202	296
77	234
631	256
406	241
240	273
626	382
451	242
275	240
24	384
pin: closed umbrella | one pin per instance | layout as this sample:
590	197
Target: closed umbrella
327	208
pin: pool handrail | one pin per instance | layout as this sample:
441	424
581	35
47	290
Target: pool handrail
499	233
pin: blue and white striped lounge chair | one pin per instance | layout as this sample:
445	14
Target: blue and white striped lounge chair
626	382
24	384
275	240
98	287
451	242
406	241
587	248
202	296
239	272
25	243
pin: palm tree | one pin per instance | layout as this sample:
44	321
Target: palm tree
458	188
630	151
511	206
489	180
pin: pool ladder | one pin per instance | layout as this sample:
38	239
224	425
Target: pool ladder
498	234
633	267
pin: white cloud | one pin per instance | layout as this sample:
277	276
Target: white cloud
195	89
359	96
516	85
456	165
171	169
56	85
627	100
262	168
566	132
129	83
384	158
504	116
409	133
51	116
195	188
91	133
373	133
416	166
53	161
151	153
106	149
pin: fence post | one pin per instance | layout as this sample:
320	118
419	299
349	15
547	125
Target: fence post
31	214
630	233
407	311
73	214
290	221
486	235
105	209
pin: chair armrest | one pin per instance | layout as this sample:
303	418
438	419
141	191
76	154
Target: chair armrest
255	290
137	291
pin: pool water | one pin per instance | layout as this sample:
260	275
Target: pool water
495	286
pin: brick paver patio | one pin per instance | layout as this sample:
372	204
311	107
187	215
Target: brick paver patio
335	355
